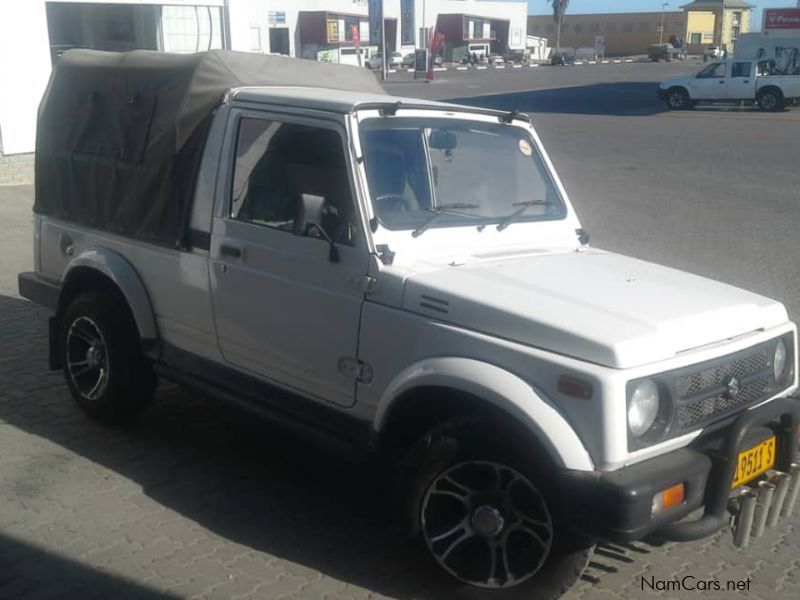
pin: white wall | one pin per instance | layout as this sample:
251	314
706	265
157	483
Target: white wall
239	22
24	71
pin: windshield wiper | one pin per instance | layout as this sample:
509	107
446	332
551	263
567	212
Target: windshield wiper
443	209
523	206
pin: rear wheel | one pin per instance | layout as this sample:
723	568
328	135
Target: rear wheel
678	99
486	515
105	370
770	100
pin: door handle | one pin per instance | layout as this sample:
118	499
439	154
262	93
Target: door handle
230	251
722	83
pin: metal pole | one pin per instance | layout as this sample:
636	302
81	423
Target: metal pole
781	481
663	10
765	492
744	518
226	25
384	61
794	490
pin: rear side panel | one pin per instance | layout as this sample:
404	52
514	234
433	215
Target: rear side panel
176	281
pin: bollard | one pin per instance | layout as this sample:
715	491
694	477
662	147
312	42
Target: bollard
781	482
765	492
794	489
744	518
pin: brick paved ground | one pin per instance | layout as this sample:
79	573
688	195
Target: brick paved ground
201	501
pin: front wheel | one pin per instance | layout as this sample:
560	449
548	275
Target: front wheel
487	516
678	99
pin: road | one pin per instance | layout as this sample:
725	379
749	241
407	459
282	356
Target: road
201	501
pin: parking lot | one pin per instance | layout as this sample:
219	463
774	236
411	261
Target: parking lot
199	500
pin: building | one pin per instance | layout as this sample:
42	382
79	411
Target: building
624	34
36	32
700	23
716	22
323	29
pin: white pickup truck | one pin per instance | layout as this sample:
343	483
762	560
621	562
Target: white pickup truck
407	278
732	81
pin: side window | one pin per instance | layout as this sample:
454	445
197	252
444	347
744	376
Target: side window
741	69
276	163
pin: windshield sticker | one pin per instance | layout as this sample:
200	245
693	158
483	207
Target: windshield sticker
525	147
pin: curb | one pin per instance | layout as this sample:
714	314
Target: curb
515	66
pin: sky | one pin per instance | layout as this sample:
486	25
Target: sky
541	7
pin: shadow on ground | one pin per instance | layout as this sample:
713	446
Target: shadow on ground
25	570
243	479
619	99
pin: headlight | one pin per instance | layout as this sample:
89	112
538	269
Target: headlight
779	360
643	407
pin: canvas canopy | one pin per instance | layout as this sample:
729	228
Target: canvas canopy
121	135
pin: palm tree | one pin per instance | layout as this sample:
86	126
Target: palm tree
559	8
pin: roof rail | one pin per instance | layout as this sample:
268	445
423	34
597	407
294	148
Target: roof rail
390	108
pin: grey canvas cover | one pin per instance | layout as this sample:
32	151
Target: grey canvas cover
121	135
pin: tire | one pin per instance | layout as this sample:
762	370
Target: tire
770	100
542	566
108	376
678	99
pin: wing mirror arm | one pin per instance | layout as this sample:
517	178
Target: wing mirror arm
333	252
310	217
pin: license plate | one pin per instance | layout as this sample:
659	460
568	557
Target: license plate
754	462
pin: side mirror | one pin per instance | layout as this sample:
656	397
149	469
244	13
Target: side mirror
309	218
309	212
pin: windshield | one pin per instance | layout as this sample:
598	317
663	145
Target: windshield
712	71
473	173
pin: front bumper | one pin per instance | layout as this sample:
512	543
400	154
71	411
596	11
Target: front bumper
617	506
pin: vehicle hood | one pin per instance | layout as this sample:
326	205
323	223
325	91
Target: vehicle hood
664	85
595	306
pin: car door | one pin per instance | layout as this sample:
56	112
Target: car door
741	85
283	310
709	84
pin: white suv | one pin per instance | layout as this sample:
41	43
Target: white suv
407	278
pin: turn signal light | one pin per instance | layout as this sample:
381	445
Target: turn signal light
577	388
669	498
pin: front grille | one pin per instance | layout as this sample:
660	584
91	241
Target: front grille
691	413
740	367
702	393
707	394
